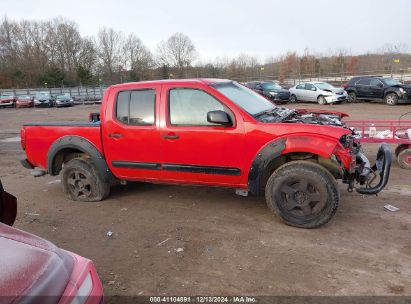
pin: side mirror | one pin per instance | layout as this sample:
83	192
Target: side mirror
8	207
219	117
380	85
313	89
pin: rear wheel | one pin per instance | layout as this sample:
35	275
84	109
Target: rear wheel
82	182
352	97
391	99
404	159
303	194
321	100
293	98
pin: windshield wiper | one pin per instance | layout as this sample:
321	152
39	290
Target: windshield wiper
265	112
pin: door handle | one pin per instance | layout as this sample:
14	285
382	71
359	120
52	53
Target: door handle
115	135
171	136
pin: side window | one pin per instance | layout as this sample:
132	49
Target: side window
364	82
375	82
136	107
309	87
301	87
190	107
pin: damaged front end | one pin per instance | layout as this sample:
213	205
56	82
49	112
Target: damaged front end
370	178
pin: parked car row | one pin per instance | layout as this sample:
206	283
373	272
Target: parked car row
366	88
41	99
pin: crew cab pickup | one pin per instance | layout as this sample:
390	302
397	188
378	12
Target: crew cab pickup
208	132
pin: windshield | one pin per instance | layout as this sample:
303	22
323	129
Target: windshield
43	94
6	95
24	97
324	86
271	86
245	98
391	81
62	97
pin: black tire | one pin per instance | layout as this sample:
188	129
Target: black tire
321	100
400	148
82	182
352	97
303	194
404	159
293	98
391	99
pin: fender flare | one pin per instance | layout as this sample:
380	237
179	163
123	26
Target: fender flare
85	146
318	145
269	152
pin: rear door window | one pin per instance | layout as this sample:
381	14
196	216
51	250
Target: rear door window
136	107
364	82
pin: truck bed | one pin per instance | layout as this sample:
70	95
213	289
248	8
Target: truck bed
39	136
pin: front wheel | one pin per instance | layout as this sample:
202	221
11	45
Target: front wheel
303	194
82	182
293	99
321	100
391	99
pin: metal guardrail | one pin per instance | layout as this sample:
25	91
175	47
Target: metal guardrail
85	94
81	94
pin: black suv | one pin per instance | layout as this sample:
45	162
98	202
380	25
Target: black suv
377	88
269	89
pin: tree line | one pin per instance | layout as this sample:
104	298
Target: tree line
54	53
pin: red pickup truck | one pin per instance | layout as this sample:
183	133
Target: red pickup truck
208	132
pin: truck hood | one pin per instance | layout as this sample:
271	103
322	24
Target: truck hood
404	86
303	116
31	266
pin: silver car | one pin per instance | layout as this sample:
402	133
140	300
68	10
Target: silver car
320	92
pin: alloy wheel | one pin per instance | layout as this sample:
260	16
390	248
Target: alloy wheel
79	184
300	198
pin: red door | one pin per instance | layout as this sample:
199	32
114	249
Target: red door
130	133
193	150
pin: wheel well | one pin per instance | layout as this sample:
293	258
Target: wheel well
275	163
401	148
390	92
65	155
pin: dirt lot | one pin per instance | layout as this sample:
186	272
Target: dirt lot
230	245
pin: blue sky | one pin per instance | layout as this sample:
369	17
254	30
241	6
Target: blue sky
221	28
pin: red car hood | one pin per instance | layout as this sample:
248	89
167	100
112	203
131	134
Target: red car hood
316	111
31	266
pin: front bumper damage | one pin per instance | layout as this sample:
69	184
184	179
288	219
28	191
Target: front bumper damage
365	174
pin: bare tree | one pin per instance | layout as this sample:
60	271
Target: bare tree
109	47
178	51
136	57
